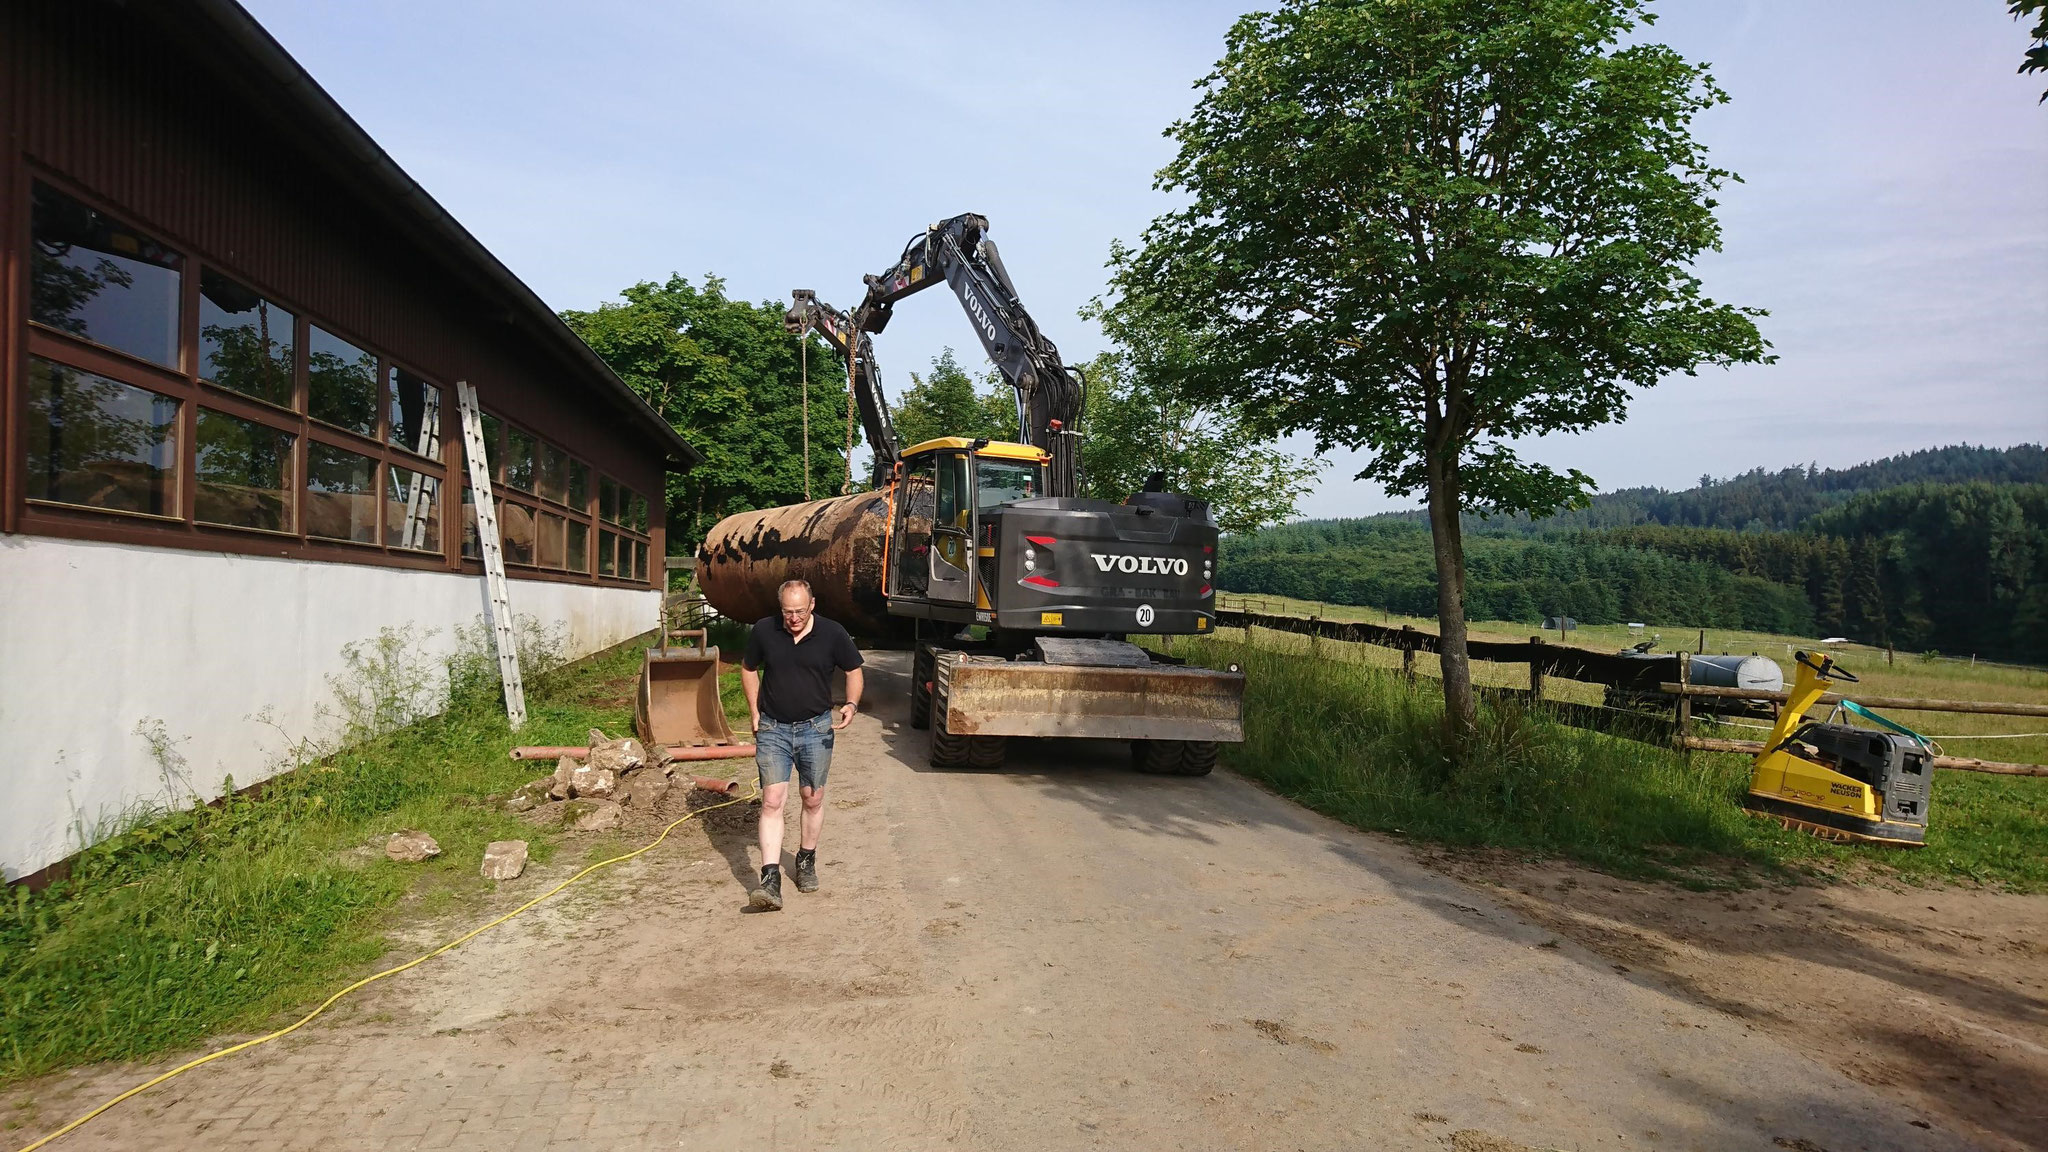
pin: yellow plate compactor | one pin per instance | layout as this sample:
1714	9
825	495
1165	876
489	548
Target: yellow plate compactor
1838	781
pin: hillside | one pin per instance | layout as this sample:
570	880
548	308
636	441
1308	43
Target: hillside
1758	500
1942	550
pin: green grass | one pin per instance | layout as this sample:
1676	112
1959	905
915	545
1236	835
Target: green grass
1354	741
219	918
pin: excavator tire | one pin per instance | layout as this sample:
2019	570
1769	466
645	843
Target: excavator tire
948	750
920	687
1174	757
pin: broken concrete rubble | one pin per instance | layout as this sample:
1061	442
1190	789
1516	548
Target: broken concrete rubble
411	846
504	859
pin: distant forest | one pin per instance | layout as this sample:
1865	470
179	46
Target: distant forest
1945	549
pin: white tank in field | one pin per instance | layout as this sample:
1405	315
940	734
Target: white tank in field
1755	673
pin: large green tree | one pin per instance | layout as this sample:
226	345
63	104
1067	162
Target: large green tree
1131	430
730	380
946	402
1427	228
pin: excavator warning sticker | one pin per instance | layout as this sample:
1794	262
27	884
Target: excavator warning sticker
1051	619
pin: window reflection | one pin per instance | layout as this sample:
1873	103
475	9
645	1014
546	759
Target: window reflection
579	547
472	547
494	449
553	469
415	416
99	443
515	524
341	382
518	460
244	473
639	560
341	494
245	341
579	486
412	510
551	541
98	279
636	517
607	548
608	500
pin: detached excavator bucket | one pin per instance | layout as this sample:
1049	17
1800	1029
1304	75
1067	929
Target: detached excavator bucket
678	703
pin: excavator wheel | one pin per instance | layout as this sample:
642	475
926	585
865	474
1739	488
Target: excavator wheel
1174	757
921	672
948	750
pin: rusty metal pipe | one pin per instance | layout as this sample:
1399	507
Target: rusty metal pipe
713	784
835	544
709	751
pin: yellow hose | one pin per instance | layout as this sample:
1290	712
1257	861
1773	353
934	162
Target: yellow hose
372	979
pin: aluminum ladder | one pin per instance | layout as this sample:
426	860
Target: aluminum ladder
494	554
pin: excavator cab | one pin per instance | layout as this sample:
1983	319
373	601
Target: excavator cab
945	487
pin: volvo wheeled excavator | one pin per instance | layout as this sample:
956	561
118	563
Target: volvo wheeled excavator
1019	594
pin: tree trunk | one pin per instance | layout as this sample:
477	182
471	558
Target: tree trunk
1461	713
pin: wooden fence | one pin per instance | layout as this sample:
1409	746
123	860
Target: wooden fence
1633	676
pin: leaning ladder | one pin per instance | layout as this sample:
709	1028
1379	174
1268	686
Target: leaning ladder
494	554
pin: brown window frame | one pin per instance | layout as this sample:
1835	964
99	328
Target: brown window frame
184	385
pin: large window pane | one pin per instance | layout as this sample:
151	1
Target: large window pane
99	443
412	510
472	546
515	524
579	547
553	469
551	541
245	341
341	380
244	473
99	279
608	500
415	414
640	560
494	447
636	514
518	460
341	494
607	549
579	486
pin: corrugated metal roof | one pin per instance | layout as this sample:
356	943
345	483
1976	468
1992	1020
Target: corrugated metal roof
245	55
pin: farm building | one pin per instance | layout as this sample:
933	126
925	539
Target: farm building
232	444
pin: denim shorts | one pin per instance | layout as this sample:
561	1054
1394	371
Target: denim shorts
804	746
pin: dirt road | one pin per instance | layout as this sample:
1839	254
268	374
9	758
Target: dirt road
1066	955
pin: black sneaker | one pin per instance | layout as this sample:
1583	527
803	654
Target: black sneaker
767	895
807	871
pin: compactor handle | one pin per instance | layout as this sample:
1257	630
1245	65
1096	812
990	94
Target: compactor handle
1826	669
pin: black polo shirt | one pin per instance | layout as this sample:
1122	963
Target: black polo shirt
796	681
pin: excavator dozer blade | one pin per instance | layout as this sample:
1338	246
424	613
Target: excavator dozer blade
1158	702
678	702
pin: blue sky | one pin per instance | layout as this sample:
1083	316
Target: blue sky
1893	219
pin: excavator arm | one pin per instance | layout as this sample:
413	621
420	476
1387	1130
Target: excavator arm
958	251
1049	394
807	313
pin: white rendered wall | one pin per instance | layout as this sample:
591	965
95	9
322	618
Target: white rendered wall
96	639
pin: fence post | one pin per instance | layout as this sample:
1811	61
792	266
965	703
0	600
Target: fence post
1536	667
1315	635
1683	717
1408	652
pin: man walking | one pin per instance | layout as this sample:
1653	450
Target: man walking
793	725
